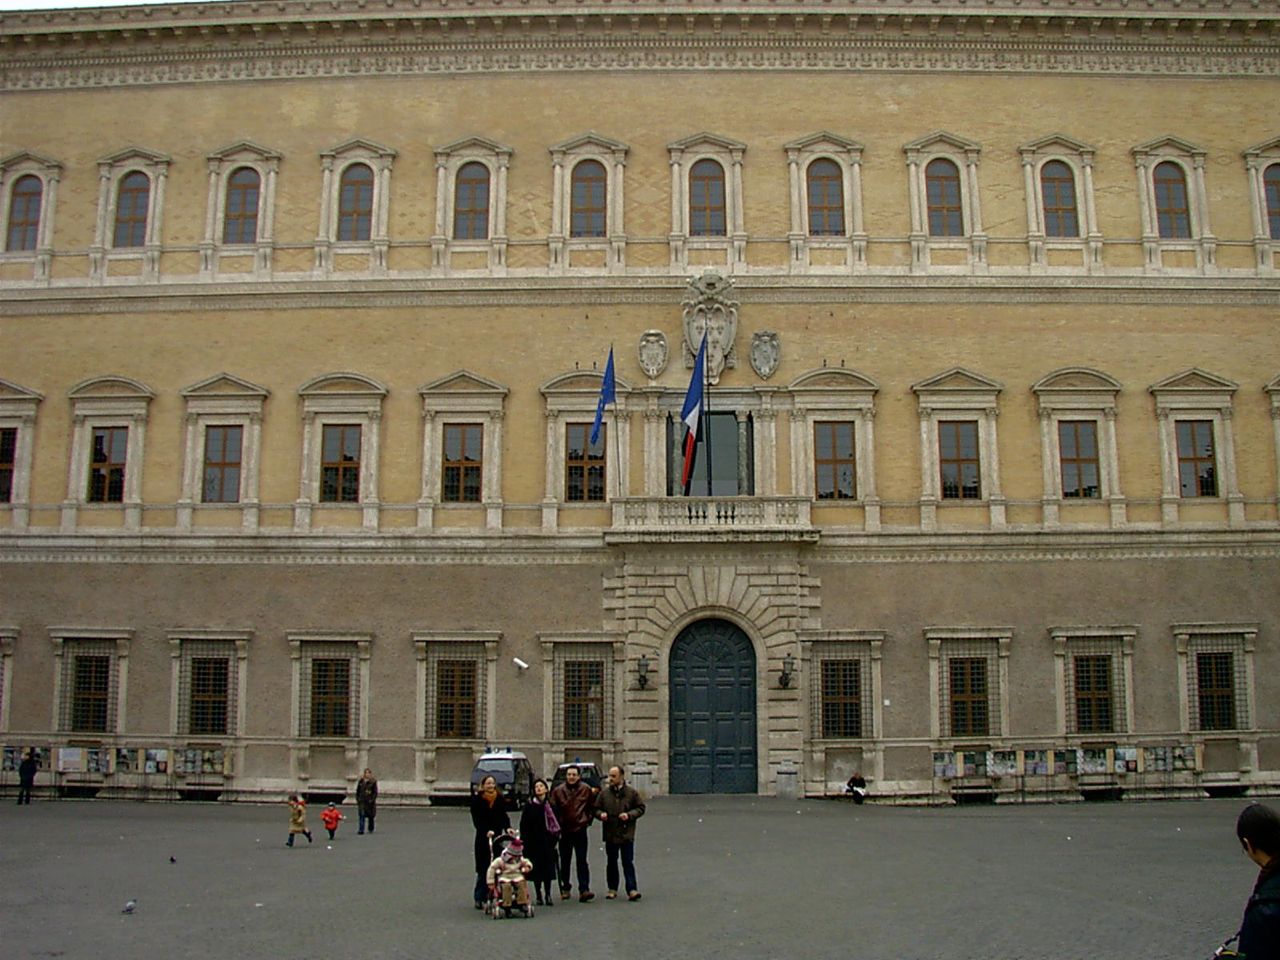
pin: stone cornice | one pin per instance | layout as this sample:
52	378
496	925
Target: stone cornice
506	549
664	290
196	43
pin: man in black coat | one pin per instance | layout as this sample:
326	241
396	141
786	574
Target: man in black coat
27	776
1258	828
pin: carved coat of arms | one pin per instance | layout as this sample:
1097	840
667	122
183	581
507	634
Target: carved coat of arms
708	309
766	350
653	353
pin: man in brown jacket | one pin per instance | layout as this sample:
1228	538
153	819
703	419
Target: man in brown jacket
618	806
574	804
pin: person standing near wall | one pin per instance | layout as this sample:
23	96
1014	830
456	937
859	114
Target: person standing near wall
366	800
27	776
574	803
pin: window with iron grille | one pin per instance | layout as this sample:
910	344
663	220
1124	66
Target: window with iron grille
340	464
8	461
958	460
90	674
1078	458
329	690
463	463
240	214
582	703
942	194
1058	190
825	182
132	200
841	698
222	454
588	209
969	687
457	683
1217	681
107	465
834	465
584	463
1095	709
970	707
1197	466
24	213
207	688
1094	678
841	693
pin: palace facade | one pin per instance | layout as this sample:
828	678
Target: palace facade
304	311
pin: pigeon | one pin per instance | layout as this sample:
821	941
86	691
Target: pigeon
129	907
173	859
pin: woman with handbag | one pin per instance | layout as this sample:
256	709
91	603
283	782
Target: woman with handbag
540	830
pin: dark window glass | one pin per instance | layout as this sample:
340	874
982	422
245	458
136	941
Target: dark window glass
826	199
958	460
340	464
240	218
1215	679
208	695
24	213
584	700
833	461
463	463
107	465
841	698
584	463
1271	189
942	192
969	705
1093	694
706	200
1197	475
330	697
588	211
89	693
1172	216
131	210
1058	190
456	698
8	461
355	203
471	203
1078	452
222	452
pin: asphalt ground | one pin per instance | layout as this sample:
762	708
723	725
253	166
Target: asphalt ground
742	877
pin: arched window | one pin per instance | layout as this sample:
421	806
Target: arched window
1173	218
24	213
355	203
588	209
826	199
1271	190
1058	190
241	213
942	192
471	203
131	210
706	200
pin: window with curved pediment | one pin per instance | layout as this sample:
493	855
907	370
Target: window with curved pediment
341	417
577	470
18	408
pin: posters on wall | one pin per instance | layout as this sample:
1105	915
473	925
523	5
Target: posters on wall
1126	759
944	764
1035	763
156	761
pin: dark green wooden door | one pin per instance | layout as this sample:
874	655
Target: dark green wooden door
713	710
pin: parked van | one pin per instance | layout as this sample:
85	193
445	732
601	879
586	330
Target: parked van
512	771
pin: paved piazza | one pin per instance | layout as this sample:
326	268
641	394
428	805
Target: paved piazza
722	877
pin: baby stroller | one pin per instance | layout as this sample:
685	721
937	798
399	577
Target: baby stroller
508	847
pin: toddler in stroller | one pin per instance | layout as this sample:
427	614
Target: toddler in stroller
508	877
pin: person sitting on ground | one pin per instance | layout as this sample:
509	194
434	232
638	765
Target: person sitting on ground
508	875
1258	828
857	787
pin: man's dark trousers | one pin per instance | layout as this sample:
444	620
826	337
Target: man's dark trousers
627	850
574	845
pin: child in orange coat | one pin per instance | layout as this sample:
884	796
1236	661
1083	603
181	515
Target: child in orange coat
330	816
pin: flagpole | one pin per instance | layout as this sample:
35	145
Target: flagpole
706	414
617	461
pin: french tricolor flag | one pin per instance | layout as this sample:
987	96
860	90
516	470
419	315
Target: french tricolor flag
691	413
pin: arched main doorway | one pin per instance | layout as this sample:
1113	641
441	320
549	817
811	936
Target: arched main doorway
713	710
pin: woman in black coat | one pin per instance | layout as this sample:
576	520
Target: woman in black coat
489	817
539	842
